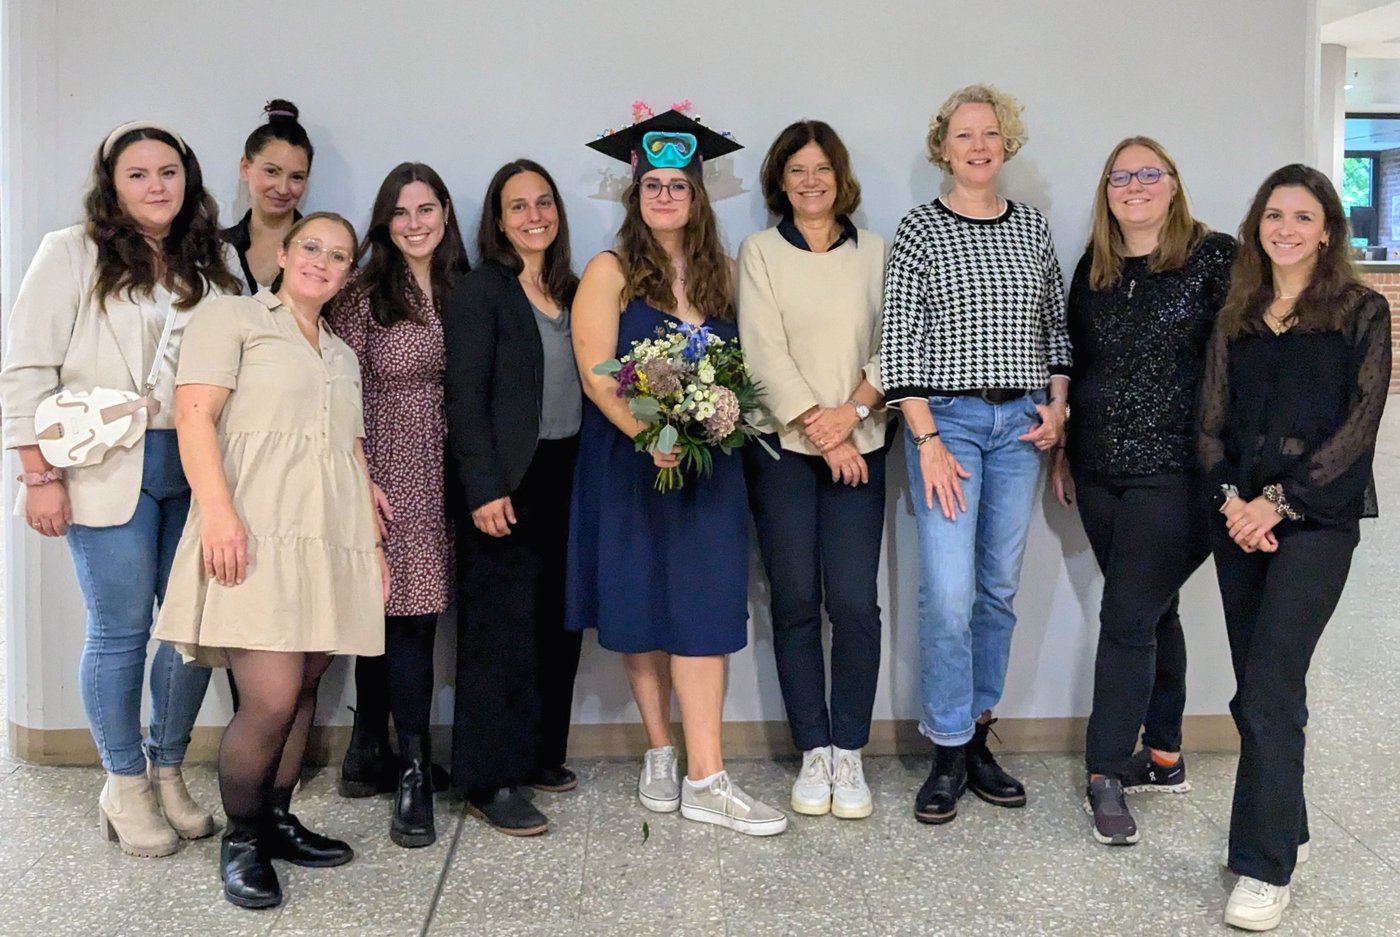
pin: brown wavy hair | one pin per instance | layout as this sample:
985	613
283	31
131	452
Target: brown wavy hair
1181	234
385	274
793	138
647	268
1326	302
560	281
192	251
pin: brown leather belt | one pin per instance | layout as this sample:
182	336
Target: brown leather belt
990	394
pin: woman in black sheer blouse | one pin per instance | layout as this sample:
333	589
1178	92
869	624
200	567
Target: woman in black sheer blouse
1296	379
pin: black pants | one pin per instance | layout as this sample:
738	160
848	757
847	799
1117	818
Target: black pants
821	540
400	681
1149	535
515	662
1276	605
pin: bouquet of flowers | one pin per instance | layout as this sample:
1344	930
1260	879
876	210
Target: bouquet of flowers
693	391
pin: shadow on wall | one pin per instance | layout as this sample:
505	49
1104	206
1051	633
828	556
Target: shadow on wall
720	181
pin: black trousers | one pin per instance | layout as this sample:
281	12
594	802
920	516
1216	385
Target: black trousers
820	542
515	662
1149	535
1276	606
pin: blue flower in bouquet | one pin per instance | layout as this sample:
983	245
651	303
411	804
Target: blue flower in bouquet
697	340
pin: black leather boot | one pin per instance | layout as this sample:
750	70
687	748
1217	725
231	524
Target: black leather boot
937	800
247	873
412	823
986	778
509	810
368	767
285	838
554	780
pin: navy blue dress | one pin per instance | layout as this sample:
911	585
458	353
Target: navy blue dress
656	571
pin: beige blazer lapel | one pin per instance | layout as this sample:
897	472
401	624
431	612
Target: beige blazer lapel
128	325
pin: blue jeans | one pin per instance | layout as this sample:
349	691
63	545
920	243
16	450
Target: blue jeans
970	566
123	572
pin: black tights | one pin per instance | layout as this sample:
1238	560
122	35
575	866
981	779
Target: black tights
400	682
265	741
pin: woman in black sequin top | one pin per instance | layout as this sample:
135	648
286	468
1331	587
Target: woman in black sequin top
1141	307
1296	378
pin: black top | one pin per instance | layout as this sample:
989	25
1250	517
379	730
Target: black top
1301	409
1139	349
790	232
240	236
494	382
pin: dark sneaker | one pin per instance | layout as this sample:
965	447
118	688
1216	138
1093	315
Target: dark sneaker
1144	774
937	800
555	780
985	777
1113	824
509	811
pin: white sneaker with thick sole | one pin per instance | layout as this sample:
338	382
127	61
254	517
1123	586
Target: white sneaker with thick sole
659	786
811	792
1256	905
850	795
724	803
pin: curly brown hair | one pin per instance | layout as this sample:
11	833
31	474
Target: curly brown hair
192	251
647	268
1331	293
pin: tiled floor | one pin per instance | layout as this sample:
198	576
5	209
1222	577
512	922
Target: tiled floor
609	869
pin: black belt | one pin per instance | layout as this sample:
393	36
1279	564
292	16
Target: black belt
990	394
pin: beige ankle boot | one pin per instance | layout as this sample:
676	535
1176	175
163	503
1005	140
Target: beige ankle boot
128	813
188	818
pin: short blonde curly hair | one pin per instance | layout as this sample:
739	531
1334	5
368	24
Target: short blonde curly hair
1007	109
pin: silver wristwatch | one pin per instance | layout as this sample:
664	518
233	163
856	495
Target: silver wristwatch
862	411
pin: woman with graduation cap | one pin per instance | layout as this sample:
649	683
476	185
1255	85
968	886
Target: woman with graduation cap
663	576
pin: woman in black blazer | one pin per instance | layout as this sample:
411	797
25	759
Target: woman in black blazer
514	404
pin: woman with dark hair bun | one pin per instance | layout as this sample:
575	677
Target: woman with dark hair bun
390	313
101	303
275	165
1296	377
514	408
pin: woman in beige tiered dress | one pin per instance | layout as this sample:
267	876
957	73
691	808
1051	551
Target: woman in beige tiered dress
281	565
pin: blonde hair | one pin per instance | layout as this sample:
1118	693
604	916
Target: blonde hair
1181	234
1007	110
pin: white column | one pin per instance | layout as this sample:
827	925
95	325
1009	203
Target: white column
1332	112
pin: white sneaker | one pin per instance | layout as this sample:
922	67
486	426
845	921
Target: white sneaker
724	803
811	792
659	787
1304	853
1256	905
850	796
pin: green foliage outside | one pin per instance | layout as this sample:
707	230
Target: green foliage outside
1356	181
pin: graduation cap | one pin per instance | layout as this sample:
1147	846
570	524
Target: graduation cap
670	140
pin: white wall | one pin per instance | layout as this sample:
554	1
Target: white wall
466	86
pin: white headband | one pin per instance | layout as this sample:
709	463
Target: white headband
129	126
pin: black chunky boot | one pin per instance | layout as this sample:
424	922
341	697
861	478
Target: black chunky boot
412	823
285	838
247	873
985	777
937	800
368	767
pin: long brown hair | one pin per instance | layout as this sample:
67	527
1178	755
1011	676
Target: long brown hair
385	274
560	281
1330	295
647	268
1181	234
192	251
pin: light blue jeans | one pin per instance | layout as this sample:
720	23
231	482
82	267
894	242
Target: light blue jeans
123	572
970	566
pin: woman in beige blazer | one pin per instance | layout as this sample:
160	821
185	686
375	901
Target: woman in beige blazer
90	313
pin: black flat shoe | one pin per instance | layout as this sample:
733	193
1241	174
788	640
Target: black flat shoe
937	800
286	838
555	780
411	825
368	767
509	811
986	778
249	879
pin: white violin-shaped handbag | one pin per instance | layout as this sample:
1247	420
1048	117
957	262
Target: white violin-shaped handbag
79	427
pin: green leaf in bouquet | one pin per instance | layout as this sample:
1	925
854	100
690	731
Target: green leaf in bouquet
666	439
766	448
611	366
646	409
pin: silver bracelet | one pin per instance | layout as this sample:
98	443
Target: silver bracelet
1274	495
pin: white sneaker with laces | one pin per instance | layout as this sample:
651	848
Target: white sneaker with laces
659	787
811	792
724	803
850	795
1256	905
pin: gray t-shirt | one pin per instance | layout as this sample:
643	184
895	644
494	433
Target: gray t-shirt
562	408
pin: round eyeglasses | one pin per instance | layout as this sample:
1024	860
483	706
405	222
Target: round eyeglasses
312	247
679	189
